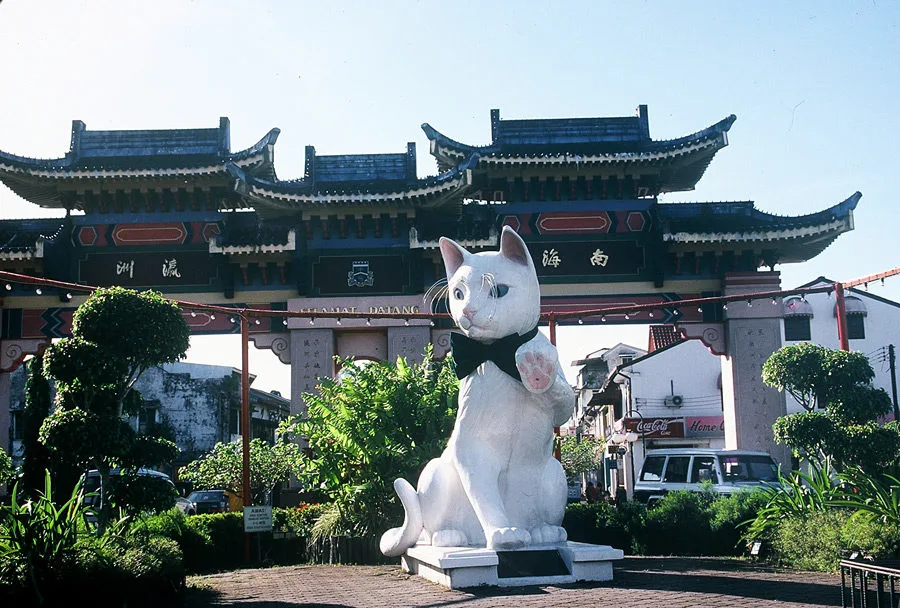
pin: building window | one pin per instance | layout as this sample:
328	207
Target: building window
796	328
797	313
856	327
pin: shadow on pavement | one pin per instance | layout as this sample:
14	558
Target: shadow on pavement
726	577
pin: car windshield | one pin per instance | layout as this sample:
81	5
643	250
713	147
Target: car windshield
205	496
749	468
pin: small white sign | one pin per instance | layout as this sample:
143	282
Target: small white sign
258	518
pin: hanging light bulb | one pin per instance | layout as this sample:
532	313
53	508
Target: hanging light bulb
193	313
699	309
431	323
725	306
312	321
627	316
231	319
650	314
406	322
338	320
38	291
256	321
603	319
68	296
212	317
368	322
8	287
581	321
749	303
284	321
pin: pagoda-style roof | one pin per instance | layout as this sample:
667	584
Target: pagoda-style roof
96	156
24	239
798	238
585	143
355	180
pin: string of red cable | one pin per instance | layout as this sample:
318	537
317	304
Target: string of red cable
548	317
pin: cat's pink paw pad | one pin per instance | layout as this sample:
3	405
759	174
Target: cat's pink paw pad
537	371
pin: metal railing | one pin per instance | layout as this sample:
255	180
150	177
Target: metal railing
871	583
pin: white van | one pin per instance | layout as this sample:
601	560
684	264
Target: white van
727	471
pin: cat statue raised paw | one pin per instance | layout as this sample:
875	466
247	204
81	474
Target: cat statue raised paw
497	484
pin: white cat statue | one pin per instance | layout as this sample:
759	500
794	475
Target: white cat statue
497	484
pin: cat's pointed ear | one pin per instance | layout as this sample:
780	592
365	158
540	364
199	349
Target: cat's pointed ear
454	255
513	247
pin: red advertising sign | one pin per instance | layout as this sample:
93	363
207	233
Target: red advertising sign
654	428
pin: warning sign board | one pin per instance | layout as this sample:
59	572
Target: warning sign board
258	518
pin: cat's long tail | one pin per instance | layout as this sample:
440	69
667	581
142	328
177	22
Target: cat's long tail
397	540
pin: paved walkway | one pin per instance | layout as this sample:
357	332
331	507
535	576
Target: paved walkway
638	581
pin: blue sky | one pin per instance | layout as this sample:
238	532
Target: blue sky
814	86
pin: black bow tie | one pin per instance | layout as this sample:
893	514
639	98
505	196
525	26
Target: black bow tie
468	354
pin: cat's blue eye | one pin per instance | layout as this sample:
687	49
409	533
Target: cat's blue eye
499	290
458	293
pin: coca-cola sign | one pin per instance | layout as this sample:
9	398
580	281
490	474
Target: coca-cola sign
650	428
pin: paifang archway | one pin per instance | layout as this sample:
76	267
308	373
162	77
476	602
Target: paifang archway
180	212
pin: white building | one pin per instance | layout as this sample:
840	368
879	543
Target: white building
671	394
873	326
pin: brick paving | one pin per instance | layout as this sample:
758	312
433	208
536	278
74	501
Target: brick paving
675	582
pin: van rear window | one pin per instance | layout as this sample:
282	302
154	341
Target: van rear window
653	467
749	468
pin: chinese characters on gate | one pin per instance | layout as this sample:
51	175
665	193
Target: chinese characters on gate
551	257
125	268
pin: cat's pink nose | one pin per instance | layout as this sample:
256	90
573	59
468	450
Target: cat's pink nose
469	312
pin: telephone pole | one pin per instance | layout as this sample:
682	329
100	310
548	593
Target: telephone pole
892	361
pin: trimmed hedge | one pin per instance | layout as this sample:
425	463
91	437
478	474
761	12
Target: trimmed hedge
681	523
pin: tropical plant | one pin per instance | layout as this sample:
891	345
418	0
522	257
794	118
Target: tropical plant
797	494
371	425
38	537
842	407
116	334
875	497
222	467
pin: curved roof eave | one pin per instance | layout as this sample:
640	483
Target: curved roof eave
810	230
448	150
299	194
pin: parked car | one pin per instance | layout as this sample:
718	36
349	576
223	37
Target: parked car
185	506
137	490
209	501
724	471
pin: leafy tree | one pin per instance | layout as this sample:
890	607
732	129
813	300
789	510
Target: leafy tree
840	422
36	457
6	468
116	334
373	424
580	455
222	467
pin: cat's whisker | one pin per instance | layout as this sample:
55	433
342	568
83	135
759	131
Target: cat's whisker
436	293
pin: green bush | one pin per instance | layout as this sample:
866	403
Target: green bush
679	524
816	541
603	523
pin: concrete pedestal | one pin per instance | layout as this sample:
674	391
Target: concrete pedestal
460	567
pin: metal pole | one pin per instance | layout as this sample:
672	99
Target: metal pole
841	311
892	361
245	422
557	451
